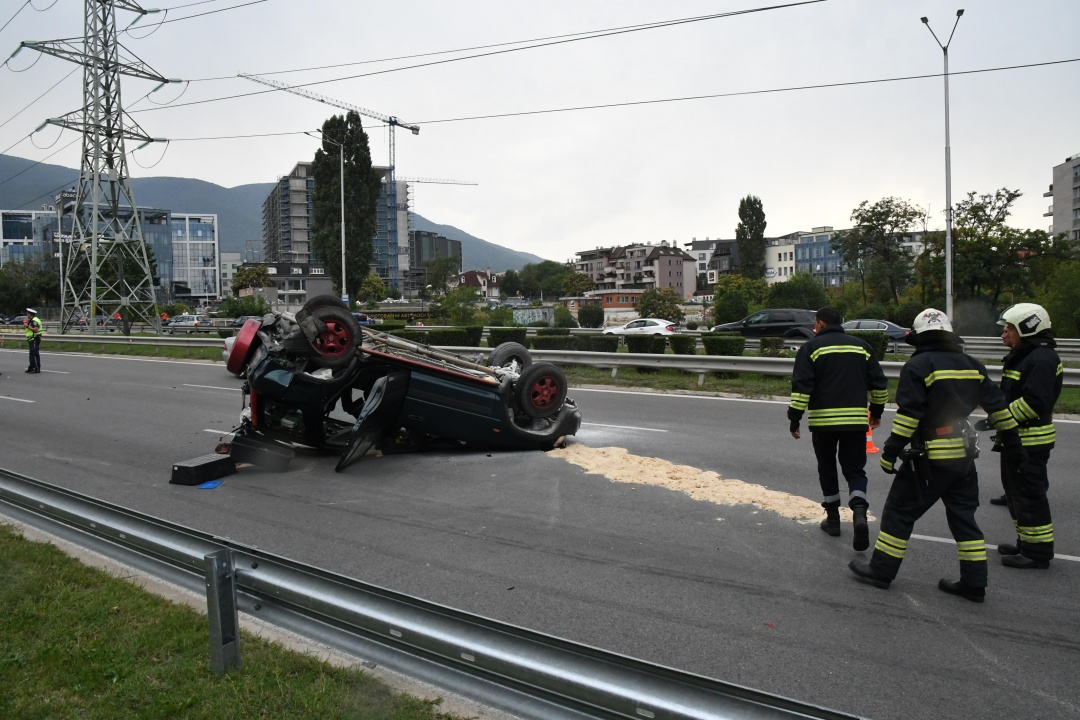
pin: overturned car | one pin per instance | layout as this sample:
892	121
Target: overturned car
318	379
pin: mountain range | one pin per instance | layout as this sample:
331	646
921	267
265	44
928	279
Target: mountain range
26	185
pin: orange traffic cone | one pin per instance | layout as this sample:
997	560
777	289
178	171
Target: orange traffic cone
870	449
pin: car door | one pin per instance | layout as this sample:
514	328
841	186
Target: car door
757	324
779	322
635	328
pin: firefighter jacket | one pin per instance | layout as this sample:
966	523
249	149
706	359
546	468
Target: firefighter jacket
1031	379
33	328
939	387
833	374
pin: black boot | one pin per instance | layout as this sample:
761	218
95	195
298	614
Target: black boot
831	523
865	574
862	532
958	587
1008	549
1003	500
1023	562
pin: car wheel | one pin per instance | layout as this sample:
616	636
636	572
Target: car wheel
319	301
510	354
541	390
246	341
336	345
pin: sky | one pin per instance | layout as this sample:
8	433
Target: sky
663	162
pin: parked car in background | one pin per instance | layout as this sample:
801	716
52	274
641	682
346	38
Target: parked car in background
363	318
644	326
239	322
773	322
187	324
16	320
893	330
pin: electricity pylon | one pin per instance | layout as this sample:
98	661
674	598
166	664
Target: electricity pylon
106	269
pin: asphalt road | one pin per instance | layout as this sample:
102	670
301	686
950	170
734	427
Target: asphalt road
736	593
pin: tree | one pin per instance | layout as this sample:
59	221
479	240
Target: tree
440	270
577	284
459	304
1061	298
664	303
544	278
754	290
238	306
591	316
510	284
28	283
362	187
750	234
250	276
564	318
802	290
873	250
730	306
371	288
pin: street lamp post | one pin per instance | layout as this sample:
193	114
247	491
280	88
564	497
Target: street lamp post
948	169
341	157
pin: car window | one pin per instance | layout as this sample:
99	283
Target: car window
636	324
756	318
651	323
781	316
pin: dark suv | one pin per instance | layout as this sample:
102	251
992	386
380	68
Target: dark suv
773	322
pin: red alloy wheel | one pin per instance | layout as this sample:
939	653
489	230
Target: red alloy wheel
335	341
544	392
246	341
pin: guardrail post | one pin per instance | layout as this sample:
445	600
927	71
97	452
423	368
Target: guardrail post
222	612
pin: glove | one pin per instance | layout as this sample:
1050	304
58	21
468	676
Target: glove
984	424
888	463
1012	448
794	426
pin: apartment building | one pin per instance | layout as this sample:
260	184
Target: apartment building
1065	195
643	266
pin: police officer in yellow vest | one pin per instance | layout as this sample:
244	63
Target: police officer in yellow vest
34	329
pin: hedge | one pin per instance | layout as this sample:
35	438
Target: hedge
723	343
416	336
771	347
655	344
497	336
602	343
683	344
554	342
876	339
553	331
475	333
455	337
388	327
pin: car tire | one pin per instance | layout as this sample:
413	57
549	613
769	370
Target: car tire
508	353
541	390
336	345
319	301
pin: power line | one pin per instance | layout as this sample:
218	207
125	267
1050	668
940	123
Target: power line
39	97
21	8
620	31
596	33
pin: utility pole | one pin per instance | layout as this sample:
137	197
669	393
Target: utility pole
106	268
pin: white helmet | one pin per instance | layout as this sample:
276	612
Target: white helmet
931	319
1028	318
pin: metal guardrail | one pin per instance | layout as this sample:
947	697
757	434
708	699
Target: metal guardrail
700	364
519	671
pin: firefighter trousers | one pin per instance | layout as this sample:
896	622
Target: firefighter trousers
849	447
1025	487
956	484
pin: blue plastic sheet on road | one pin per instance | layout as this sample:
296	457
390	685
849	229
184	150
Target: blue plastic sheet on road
210	484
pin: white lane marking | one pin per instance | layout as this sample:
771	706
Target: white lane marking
210	387
950	541
16	399
219	432
623	427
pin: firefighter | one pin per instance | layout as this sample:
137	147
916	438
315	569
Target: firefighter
833	374
33	337
1031	382
939	387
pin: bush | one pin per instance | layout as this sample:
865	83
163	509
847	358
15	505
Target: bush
539	324
475	334
683	344
455	337
904	314
873	311
603	343
691	325
553	331
591	316
646	343
876	339
497	336
771	347
723	343
564	318
389	327
416	336
554	342
225	333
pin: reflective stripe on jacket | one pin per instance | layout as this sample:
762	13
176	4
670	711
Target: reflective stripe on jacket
833	374
1031	380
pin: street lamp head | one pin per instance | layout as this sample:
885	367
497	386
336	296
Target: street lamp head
959	13
925	20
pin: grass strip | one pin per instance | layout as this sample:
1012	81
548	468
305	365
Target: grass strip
81	643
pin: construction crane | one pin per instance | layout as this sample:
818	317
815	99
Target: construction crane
391	184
